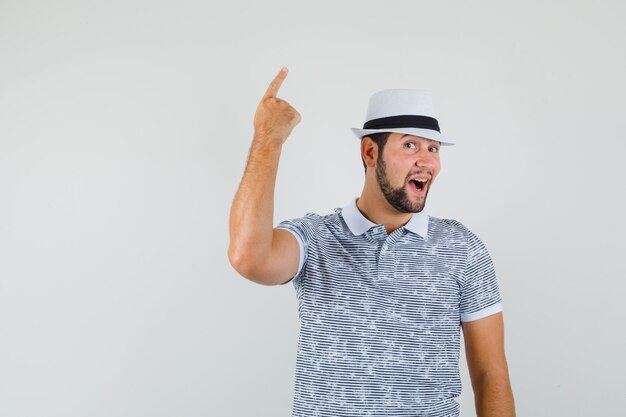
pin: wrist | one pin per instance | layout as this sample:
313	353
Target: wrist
267	141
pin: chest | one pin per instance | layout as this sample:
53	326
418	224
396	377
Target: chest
403	283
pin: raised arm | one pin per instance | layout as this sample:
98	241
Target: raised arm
256	250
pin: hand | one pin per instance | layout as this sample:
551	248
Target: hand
275	118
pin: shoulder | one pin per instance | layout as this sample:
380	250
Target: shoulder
450	228
312	220
456	234
312	217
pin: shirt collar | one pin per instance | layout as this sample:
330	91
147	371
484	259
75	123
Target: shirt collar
358	224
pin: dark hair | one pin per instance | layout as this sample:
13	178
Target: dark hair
380	139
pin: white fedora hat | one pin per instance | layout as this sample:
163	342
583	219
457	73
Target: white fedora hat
402	111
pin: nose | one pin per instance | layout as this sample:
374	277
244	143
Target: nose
424	158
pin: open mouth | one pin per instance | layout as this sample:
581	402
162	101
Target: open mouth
418	186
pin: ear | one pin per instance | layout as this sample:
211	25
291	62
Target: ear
369	151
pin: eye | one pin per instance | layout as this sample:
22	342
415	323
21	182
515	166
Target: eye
409	144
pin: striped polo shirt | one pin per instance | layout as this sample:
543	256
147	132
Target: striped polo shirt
380	313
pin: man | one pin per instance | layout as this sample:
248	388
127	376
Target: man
383	289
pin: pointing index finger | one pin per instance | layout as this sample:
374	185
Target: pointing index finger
272	90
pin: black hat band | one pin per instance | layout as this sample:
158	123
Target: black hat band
420	122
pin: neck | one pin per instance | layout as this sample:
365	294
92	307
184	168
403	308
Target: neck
375	207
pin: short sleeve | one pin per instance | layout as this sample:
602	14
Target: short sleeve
480	295
301	230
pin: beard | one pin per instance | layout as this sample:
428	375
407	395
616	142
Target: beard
398	198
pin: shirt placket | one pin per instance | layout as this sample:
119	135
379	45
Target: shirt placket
387	254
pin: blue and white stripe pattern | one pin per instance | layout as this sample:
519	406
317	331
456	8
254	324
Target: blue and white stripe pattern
380	314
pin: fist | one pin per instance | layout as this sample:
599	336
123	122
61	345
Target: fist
275	118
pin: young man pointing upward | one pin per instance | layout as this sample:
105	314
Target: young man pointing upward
383	288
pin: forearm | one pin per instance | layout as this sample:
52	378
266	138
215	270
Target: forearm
493	396
252	211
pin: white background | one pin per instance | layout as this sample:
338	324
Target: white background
124	132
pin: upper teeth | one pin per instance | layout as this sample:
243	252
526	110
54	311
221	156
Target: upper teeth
420	179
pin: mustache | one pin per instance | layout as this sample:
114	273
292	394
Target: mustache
430	174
